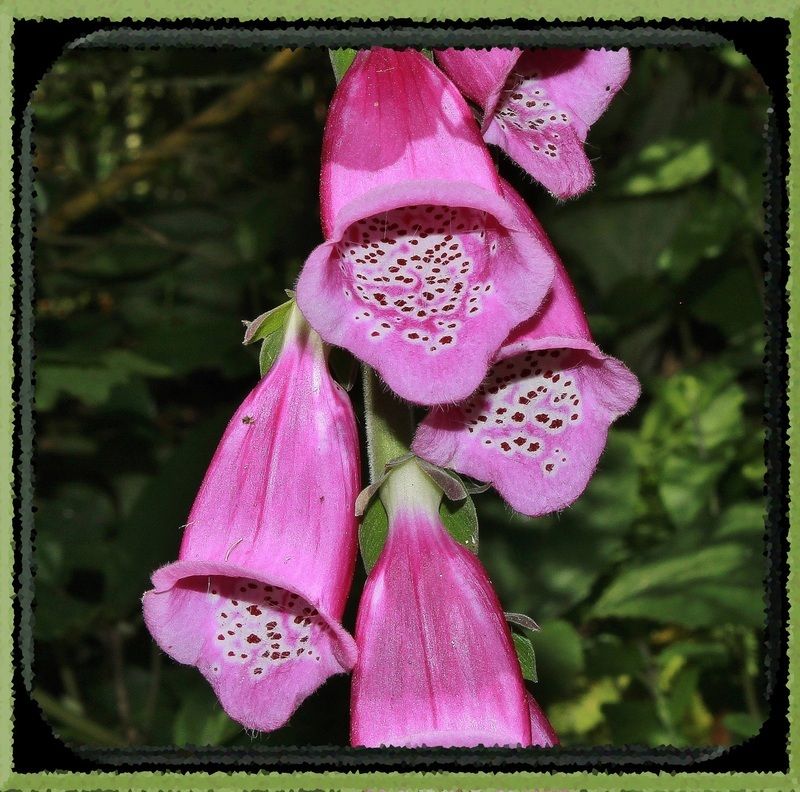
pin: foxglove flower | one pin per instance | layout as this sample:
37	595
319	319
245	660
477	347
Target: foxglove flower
436	665
537	425
538	105
425	268
267	557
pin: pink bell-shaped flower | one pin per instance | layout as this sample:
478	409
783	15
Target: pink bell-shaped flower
425	268
256	597
436	663
538	423
538	105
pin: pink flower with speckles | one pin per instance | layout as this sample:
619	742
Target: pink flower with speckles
538	105
256	597
425	268
538	423
436	664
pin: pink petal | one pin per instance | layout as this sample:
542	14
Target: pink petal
268	551
541	115
542	733
436	662
425	268
396	118
479	74
426	294
537	425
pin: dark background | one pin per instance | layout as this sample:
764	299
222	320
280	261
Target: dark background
649	590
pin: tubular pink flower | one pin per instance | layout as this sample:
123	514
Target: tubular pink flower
539	104
538	423
425	268
436	664
267	557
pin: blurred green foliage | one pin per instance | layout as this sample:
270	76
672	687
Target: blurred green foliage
648	590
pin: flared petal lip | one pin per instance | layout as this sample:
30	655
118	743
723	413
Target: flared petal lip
494	97
530	344
423	191
165	578
617	408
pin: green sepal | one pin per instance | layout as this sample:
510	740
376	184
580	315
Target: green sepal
372	532
526	656
458	515
461	521
521	620
340	61
449	483
269	328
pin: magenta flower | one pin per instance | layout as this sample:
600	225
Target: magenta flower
425	268
267	557
538	105
436	664
538	423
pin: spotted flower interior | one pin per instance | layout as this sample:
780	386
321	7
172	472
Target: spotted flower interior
418	272
258	626
528	406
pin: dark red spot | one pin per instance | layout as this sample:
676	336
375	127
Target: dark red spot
518	417
254	610
520	441
253	639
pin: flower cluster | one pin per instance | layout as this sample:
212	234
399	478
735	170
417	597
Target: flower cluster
436	274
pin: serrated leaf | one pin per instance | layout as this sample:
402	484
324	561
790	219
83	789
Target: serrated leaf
372	533
526	656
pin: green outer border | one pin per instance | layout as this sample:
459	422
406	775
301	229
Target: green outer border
376	10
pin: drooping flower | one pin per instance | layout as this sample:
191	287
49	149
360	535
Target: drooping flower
538	423
436	665
425	268
538	105
268	552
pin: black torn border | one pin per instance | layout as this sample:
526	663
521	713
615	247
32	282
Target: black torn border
38	44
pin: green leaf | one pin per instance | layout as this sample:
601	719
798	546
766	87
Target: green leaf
742	724
527	657
695	587
372	533
665	165
341	60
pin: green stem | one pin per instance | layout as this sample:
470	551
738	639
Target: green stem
389	424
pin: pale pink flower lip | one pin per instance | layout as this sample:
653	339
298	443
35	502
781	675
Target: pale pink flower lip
539	105
437	666
537	425
256	597
425	268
